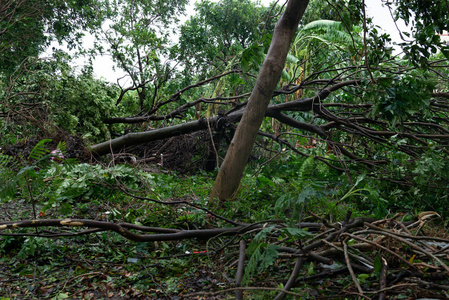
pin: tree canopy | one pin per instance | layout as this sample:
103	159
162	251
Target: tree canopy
211	40
28	27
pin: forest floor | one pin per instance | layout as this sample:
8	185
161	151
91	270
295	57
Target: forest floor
390	259
317	257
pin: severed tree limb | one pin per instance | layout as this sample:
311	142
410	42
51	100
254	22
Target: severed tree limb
176	96
141	137
291	281
393	288
428	284
351	271
54	234
411	237
342	250
130	139
383	278
341	231
176	113
356	125
166	234
402	240
240	269
381	247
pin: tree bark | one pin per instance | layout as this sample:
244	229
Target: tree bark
129	139
273	111
231	171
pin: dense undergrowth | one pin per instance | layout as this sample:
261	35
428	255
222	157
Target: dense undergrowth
104	265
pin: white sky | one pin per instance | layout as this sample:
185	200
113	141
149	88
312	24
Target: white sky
381	16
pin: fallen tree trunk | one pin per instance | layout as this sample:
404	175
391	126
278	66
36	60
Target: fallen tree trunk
351	119
114	145
130	139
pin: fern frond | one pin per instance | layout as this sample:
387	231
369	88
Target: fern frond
251	267
7	161
263	257
62	146
39	150
8	188
8	180
306	170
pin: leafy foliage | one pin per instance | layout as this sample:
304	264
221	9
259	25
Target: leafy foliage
219	31
28	27
39	151
84	182
7	165
404	96
426	22
262	254
50	96
137	37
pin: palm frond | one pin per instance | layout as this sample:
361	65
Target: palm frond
285	76
292	59
322	24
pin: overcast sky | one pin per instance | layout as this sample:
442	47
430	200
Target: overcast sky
381	16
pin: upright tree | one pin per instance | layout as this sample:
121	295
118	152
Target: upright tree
137	38
27	27
218	32
231	171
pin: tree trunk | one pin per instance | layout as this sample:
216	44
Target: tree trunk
231	171
129	139
273	111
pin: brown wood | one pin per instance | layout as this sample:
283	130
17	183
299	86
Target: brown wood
231	171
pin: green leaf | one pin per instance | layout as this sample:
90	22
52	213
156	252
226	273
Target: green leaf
377	264
60	296
263	257
296	233
310	269
260	236
363	277
262	182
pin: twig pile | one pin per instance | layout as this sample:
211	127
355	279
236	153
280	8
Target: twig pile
398	258
376	259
